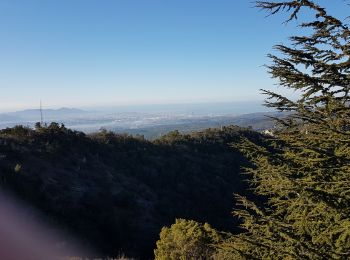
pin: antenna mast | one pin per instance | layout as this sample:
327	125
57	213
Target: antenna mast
41	114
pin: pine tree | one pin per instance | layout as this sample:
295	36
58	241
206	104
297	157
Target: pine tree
304	172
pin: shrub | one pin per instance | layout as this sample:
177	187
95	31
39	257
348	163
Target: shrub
185	240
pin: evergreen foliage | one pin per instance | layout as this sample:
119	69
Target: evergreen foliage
114	191
305	171
187	240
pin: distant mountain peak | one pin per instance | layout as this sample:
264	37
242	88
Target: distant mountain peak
62	109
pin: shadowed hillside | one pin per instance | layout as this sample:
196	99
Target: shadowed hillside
115	192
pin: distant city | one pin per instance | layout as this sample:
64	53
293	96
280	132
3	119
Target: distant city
151	121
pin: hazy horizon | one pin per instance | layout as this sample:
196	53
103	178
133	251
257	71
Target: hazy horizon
235	107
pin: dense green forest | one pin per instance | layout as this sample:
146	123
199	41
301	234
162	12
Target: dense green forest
115	192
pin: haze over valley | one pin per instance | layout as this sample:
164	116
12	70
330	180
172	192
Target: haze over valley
149	120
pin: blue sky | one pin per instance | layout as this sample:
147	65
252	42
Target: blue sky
81	53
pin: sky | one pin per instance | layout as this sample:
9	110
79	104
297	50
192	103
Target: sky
87	53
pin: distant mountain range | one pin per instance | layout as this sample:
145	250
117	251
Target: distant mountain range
34	114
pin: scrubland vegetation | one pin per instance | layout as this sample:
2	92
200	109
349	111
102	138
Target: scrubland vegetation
115	192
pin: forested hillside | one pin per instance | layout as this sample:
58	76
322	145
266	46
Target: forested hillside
115	192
